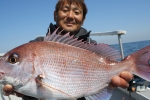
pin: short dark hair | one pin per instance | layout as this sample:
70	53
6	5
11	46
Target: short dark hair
79	3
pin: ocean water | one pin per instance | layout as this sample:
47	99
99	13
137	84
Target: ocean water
132	47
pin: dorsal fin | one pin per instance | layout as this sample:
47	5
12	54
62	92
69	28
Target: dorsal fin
100	49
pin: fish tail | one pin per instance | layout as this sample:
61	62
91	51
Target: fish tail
142	63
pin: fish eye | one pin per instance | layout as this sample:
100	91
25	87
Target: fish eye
13	58
149	62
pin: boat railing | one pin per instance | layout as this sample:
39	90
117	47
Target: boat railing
118	33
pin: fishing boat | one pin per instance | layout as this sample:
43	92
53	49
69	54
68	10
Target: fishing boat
137	90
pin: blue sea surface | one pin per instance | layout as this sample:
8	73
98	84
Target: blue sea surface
132	47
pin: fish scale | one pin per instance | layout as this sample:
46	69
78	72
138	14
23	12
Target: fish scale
71	69
72	75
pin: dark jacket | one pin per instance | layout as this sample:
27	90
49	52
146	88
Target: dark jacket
81	34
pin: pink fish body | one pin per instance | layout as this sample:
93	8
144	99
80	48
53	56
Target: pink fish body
64	68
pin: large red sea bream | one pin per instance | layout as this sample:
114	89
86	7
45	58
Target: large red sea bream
61	67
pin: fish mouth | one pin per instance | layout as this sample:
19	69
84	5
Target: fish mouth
1	74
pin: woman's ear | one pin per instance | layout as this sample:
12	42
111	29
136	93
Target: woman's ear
55	16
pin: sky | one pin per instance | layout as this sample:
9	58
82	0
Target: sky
24	20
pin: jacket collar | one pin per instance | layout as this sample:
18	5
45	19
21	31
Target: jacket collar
81	34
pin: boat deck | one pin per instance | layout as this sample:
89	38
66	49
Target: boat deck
123	94
118	94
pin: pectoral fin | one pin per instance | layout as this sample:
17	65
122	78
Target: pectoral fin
43	87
